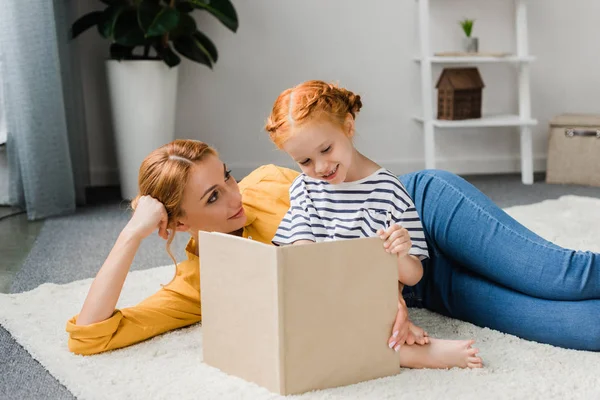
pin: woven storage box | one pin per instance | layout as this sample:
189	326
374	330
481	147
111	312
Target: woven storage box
574	150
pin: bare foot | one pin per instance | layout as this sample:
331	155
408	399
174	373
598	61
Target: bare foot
419	335
441	354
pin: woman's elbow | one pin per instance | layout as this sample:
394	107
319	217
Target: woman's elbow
83	348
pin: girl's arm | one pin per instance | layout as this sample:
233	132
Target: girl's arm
106	288
410	270
397	241
295	227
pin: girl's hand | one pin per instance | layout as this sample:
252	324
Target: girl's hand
149	215
397	240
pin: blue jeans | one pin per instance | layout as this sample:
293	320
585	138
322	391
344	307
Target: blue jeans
487	269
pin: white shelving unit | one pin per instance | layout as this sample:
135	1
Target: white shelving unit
521	59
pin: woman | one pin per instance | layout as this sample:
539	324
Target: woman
485	268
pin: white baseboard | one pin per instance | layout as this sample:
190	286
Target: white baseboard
469	166
463	166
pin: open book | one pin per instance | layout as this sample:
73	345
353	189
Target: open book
300	317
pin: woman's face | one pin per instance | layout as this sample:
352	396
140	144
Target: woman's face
211	200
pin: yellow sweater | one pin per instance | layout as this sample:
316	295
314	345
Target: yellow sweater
265	198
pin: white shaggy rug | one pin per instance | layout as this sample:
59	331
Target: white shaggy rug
170	366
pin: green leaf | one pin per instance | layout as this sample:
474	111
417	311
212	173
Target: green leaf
120	52
127	31
164	22
167	55
467	25
147	12
156	20
186	26
203	42
223	10
190	47
108	19
84	23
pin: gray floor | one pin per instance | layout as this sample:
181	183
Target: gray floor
65	249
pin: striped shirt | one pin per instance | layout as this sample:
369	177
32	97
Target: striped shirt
320	211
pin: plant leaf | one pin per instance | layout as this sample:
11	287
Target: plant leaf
165	21
147	12
167	55
223	10
189	47
156	20
108	19
127	31
120	52
84	23
186	26
467	26
202	41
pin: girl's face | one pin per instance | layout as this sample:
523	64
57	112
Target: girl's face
323	150
211	200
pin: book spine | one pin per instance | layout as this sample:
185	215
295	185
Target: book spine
280	293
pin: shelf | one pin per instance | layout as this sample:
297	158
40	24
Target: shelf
477	59
429	60
486	121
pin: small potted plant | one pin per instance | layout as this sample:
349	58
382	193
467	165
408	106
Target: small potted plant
147	40
470	44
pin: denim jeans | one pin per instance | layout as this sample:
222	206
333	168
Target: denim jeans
488	269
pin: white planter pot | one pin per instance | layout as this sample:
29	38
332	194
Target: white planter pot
143	95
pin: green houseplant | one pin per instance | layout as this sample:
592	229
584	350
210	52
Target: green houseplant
157	29
147	41
470	44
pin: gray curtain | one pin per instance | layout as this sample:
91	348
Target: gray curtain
47	146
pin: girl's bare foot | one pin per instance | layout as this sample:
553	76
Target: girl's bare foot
441	354
419	335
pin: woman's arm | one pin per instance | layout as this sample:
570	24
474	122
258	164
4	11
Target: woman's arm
104	292
174	306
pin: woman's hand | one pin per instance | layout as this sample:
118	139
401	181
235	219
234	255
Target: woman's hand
149	215
400	332
100	303
397	240
404	331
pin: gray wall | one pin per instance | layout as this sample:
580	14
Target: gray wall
367	47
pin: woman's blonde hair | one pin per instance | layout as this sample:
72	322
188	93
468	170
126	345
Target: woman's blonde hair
308	101
164	173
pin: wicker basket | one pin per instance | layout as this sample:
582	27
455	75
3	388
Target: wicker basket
574	150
